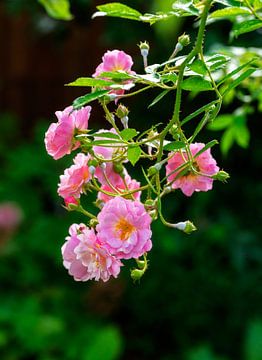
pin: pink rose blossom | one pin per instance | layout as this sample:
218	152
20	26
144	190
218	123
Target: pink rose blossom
124	228
85	257
204	163
113	61
59	138
70	200
121	186
73	180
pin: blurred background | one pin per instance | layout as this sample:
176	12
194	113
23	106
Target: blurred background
201	298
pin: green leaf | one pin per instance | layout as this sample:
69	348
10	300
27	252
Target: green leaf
237	70
152	18
206	107
246	26
58	9
108	135
117	76
196	83
133	154
229	3
106	344
242	135
83	100
198	66
128	134
116	9
230	12
238	80
221	122
217	61
158	98
185	7
227	140
86	81
207	146
169	77
174	145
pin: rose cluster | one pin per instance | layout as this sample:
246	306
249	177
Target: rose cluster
121	229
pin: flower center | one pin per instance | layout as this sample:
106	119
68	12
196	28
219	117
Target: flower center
124	229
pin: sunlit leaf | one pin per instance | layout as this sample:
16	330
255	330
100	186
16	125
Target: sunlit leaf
86	81
236	71
198	66
196	83
230	12
246	27
185	7
128	134
58	9
133	154
116	9
174	145
216	61
85	99
238	80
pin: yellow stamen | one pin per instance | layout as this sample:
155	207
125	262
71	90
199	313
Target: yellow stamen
124	229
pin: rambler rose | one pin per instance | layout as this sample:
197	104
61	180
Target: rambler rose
124	228
85	258
205	164
113	61
73	180
59	138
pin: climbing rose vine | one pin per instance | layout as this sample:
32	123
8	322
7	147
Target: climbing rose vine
119	228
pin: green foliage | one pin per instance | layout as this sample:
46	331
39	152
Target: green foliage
133	154
235	129
106	344
86	99
253	343
58	9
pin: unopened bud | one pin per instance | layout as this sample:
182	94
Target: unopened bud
174	132
92	170
144	48
186	226
119	168
184	40
153	213
124	121
154	169
136	274
93	222
122	111
71	203
141	263
221	176
167	190
103	166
